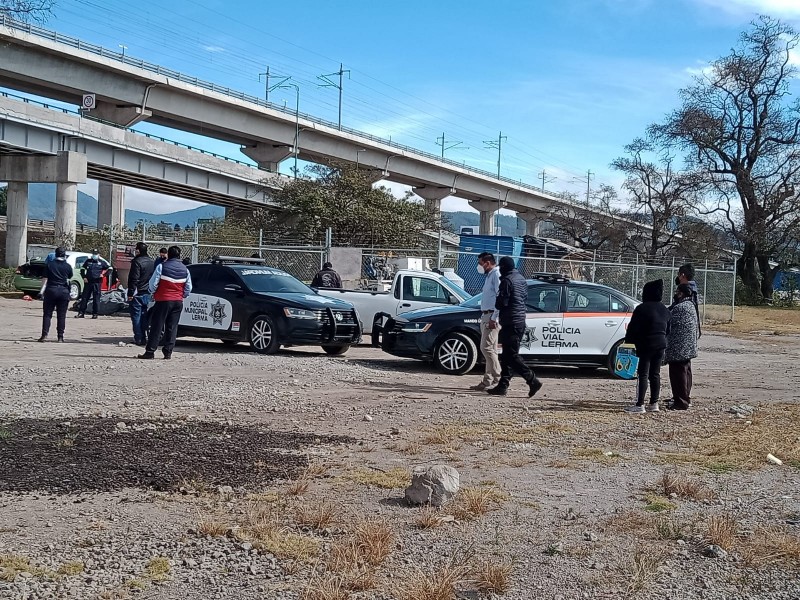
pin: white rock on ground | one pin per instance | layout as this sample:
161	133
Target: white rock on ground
434	485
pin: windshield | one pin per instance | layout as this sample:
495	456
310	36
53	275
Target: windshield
272	281
474	302
454	289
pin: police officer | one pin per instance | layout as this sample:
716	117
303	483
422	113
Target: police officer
511	299
56	294
92	271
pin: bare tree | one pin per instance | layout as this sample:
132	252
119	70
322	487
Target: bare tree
742	131
593	223
658	192
27	10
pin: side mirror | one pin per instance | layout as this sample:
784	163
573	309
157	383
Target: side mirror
454	300
233	287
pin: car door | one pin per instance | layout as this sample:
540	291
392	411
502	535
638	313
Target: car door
420	291
590	326
210	307
542	321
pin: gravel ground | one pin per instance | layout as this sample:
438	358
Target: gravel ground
113	468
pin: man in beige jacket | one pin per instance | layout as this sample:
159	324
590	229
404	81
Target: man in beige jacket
487	265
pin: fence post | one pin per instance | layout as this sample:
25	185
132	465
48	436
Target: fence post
328	244
733	298
439	252
705	292
196	246
594	264
260	243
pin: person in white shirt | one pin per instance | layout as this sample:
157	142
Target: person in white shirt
487	266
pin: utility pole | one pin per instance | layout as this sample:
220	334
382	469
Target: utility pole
448	144
339	86
589	176
283	85
266	84
545	179
498	143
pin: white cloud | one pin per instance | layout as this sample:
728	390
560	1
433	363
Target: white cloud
214	49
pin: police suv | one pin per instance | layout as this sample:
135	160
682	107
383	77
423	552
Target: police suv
568	323
242	300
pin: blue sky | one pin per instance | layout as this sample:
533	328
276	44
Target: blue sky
569	82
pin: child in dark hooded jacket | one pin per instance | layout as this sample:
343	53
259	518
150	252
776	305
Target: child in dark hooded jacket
648	331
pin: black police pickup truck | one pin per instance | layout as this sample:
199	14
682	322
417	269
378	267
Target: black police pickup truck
242	300
568	322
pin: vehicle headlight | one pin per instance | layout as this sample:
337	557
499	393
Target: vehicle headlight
299	313
414	327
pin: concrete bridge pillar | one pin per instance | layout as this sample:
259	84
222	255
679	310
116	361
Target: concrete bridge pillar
488	210
268	156
66	214
533	221
433	195
110	204
67	169
17	223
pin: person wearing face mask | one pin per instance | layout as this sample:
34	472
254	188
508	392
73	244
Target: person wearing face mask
489	326
56	294
142	268
92	271
686	276
681	347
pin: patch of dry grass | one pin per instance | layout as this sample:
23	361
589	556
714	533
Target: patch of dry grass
673	529
158	568
428	518
298	487
12	565
750	319
773	545
672	482
264	529
597	455
473	502
390	480
433	583
657	503
318	515
212	527
73	567
644	567
493	577
411	449
721	530
327	586
374	539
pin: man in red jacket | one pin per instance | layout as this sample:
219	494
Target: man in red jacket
170	284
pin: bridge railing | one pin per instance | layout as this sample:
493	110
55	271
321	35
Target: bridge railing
159	70
68	111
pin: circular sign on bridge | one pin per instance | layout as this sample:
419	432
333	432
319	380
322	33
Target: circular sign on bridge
89	101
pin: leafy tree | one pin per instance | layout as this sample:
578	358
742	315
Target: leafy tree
3	201
27	10
592	223
343	199
741	131
658	192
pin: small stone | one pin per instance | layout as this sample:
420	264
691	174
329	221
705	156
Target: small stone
590	536
367	418
714	551
122	425
246	546
225	491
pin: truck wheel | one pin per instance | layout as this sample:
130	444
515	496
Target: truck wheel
74	290
263	337
456	354
336	350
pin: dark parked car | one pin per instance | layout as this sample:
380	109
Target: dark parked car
568	323
242	300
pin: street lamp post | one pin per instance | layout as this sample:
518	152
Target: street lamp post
285	84
124	47
358	152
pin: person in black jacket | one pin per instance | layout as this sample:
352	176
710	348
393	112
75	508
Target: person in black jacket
511	299
142	267
648	331
92	271
327	278
58	274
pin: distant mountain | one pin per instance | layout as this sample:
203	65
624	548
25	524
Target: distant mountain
508	225
42	204
182	218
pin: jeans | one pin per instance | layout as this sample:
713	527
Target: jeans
92	289
164	316
649	371
55	298
139	318
510	337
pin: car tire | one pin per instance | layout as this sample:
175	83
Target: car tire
74	290
262	335
612	358
335	350
456	354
